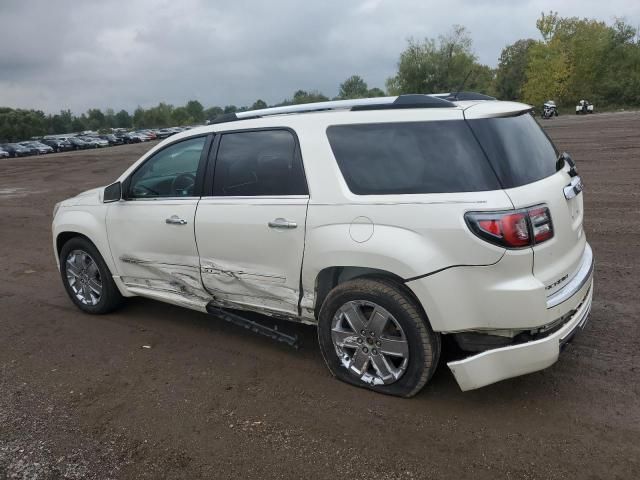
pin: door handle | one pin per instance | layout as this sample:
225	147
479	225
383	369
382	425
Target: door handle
282	223
175	220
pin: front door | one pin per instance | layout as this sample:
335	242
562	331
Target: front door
250	227
151	231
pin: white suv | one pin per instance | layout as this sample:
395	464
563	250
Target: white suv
390	223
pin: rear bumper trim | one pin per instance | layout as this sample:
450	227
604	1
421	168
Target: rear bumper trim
515	360
576	283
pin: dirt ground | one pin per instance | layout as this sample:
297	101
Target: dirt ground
81	398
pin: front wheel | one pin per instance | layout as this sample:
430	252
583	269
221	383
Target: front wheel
87	278
373	334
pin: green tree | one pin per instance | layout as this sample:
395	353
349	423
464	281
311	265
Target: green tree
302	96
196	111
212	112
583	58
109	118
375	92
123	119
258	105
79	124
353	87
431	66
547	73
511	72
180	116
139	118
230	109
61	123
95	119
159	116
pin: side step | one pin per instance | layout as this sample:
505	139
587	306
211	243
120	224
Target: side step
255	327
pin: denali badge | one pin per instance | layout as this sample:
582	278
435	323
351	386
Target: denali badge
556	283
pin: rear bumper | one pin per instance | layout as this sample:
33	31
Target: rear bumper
515	360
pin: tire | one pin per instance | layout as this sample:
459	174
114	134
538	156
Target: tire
109	298
406	327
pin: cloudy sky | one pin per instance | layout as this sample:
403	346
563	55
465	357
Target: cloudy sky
80	54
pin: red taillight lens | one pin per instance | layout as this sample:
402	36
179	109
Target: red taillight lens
515	230
541	224
512	229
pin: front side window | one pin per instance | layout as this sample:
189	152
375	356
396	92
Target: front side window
263	162
410	158
169	173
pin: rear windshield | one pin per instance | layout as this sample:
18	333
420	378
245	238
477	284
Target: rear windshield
518	149
416	157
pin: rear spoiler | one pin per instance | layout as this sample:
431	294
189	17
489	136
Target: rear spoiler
495	109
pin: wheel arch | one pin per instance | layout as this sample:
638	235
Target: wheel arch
330	277
65	236
85	223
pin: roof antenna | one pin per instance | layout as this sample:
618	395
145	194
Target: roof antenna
455	95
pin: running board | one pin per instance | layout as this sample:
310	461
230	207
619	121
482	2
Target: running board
255	327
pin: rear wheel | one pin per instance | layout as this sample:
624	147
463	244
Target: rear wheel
373	334
87	278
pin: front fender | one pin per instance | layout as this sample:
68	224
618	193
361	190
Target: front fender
88	221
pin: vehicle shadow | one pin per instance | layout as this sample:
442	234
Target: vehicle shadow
442	389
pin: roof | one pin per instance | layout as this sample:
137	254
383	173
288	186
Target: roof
475	104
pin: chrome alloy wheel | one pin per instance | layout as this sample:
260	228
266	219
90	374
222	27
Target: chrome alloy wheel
83	277
370	342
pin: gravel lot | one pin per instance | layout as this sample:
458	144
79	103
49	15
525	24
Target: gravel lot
81	398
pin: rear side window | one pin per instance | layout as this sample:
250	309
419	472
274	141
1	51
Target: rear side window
416	157
263	162
518	149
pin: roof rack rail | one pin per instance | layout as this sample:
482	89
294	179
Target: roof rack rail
377	103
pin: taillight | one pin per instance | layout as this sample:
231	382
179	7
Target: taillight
540	224
512	228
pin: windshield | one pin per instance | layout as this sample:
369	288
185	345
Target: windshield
518	149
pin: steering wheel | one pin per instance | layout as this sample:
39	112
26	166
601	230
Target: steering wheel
183	184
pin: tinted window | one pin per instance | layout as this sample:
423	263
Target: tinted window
258	163
420	157
517	147
169	173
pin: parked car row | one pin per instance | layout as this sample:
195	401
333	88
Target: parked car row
84	140
23	149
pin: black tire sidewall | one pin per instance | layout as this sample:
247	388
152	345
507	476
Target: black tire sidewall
406	385
110	298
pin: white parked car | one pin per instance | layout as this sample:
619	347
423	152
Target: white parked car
389	223
584	107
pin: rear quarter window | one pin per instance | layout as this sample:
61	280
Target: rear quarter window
517	147
410	158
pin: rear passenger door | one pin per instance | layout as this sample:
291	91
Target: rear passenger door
250	225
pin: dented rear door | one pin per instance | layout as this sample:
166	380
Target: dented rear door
250	228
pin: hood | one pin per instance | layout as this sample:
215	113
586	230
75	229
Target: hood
89	197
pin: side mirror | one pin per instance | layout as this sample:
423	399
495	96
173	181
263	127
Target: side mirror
112	193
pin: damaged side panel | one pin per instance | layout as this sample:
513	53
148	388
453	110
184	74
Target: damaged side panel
246	260
176	284
234	286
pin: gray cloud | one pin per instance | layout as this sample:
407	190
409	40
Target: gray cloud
120	54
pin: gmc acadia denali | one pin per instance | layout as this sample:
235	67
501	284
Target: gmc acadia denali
387	222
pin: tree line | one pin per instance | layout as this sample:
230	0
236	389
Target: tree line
573	59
